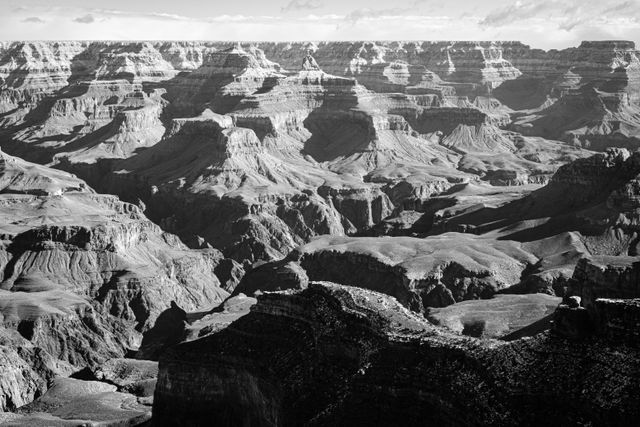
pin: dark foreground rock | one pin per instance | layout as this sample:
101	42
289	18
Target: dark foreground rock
336	355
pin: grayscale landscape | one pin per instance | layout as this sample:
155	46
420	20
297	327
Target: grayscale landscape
321	233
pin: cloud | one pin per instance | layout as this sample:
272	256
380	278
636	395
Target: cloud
565	15
433	4
626	5
86	19
34	19
114	13
302	5
366	13
515	12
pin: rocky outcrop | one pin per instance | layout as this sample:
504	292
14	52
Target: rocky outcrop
183	55
27	370
400	76
602	300
333	354
82	402
222	80
593	196
137	377
419	273
480	66
176	325
31	71
503	316
605	277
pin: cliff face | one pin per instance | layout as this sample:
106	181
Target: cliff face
316	138
595	197
30	71
27	370
477	64
222	80
246	199
602	300
83	275
333	354
596	85
605	277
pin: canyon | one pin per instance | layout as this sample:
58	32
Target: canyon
318	233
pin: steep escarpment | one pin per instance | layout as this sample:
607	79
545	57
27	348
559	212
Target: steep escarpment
327	154
592	89
27	370
83	275
594	196
596	117
31	71
333	354
479	66
591	61
605	277
91	121
602	301
222	80
245	197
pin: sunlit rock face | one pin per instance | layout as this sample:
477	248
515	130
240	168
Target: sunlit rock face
475	65
222	79
83	275
311	133
31	71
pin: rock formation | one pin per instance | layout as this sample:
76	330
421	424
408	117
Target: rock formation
338	355
150	192
112	111
419	273
77	402
503	316
83	275
594	197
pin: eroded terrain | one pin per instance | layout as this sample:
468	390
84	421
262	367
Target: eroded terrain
443	227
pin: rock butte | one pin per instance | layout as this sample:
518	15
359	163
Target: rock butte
396	232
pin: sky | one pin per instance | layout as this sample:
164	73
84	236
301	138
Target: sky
543	24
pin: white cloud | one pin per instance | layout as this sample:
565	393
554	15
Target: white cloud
34	20
366	13
86	19
566	15
295	5
517	11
